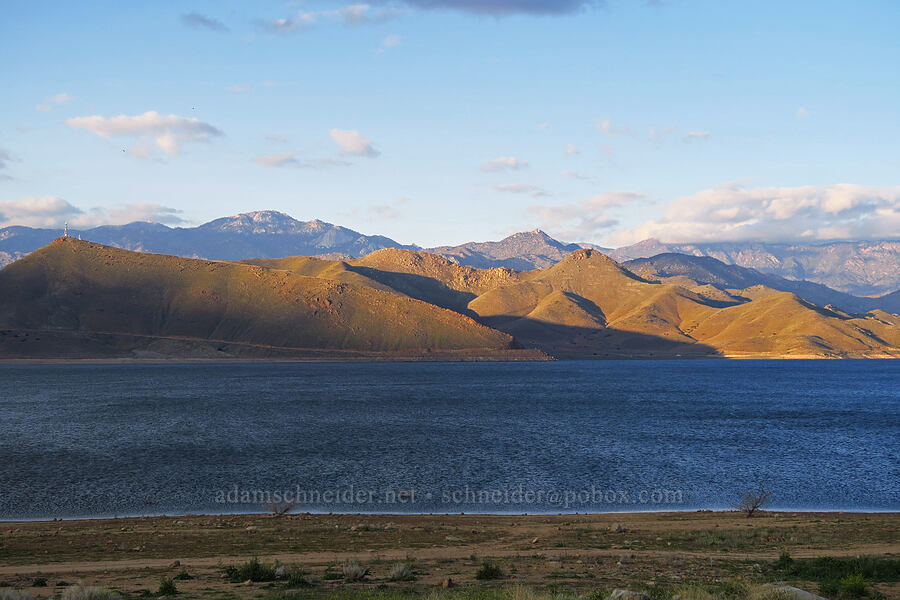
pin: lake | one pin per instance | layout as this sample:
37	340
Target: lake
577	436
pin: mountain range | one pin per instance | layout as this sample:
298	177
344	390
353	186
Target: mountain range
79	299
869	268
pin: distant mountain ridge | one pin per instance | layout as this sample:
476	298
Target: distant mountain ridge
865	268
520	251
263	234
689	270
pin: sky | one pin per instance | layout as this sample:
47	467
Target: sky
446	121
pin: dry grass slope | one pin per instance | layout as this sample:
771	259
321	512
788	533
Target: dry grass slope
77	285
400	300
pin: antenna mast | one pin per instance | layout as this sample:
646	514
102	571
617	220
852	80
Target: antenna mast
66	230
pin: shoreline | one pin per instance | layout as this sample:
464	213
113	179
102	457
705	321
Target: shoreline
424	358
311	513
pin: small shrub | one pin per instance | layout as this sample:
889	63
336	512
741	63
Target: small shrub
39	582
297	579
853	586
167	587
784	562
489	570
354	571
402	572
252	570
182	575
88	592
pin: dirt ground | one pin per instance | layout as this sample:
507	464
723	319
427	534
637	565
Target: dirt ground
576	551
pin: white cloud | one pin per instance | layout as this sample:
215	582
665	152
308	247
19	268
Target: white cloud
732	212
53	101
350	15
802	112
611	130
284	159
360	14
574	175
571	150
504	163
290	159
303	21
166	132
52	211
587	219
500	8
535	191
696	136
391	41
353	142
239	88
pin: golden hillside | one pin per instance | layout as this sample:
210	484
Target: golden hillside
587	305
79	286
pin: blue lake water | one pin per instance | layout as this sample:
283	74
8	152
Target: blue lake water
105	440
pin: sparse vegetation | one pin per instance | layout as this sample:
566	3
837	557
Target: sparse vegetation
167	587
297	579
252	570
402	572
489	570
88	592
182	575
13	594
355	571
841	578
39	582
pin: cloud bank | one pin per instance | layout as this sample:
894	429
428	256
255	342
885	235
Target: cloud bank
166	132
52	211
732	212
583	220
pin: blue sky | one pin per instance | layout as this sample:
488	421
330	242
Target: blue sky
446	121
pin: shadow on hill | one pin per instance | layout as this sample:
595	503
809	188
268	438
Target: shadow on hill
421	288
565	341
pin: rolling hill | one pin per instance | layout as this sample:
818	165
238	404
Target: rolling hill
705	270
78	298
84	288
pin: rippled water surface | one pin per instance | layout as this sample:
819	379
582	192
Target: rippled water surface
100	440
